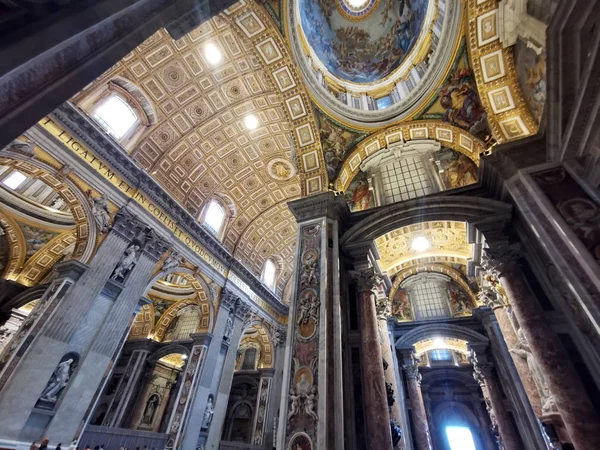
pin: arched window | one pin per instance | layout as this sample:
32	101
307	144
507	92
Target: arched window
214	218
269	273
116	116
14	180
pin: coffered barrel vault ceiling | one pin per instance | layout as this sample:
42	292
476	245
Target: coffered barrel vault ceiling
200	147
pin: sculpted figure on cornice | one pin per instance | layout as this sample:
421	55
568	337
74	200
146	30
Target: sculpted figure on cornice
126	263
100	211
172	261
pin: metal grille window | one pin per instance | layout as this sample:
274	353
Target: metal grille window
405	179
430	299
185	324
249	359
440	355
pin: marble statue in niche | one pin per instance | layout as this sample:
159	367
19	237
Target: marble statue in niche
150	410
229	325
126	264
99	211
546	396
58	381
208	413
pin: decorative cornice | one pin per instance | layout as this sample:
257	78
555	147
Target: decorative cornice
229	298
105	148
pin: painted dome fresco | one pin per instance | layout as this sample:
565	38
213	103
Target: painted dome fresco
362	41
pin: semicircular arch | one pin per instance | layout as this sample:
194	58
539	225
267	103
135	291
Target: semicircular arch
428	331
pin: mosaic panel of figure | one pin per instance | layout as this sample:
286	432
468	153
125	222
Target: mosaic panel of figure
455	169
358	195
458	100
35	238
368	47
336	142
459	300
531	73
401	308
574	204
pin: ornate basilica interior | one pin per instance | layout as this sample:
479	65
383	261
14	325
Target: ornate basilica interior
300	224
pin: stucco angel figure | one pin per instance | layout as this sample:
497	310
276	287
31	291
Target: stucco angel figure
309	274
295	406
310	403
126	263
172	261
57	382
99	211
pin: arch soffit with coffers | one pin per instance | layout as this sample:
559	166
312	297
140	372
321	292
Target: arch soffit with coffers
487	216
264	341
428	331
67	189
447	135
168	350
16	243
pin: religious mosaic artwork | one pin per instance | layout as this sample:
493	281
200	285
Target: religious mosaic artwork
401	308
458	101
362	44
531	73
35	238
358	195
336	141
273	7
574	204
303	386
301	442
459	300
455	169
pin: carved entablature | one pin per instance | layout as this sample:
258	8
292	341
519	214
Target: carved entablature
229	299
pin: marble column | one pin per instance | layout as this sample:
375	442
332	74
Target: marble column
483	372
435	442
484	420
376	413
413	382
494	300
395	413
215	431
572	400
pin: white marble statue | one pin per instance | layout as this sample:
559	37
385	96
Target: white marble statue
126	263
208	414
100	211
229	325
172	261
150	409
546	396
295	406
57	382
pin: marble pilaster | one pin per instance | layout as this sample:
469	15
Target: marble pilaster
265	387
373	378
278	341
210	373
311	411
572	400
413	382
395	411
222	396
483	372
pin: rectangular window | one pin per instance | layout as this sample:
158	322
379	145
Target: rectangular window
405	179
429	300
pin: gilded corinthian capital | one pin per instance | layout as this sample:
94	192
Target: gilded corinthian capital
366	279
